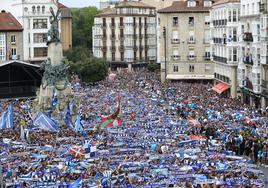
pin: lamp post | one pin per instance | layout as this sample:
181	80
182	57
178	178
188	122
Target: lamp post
165	48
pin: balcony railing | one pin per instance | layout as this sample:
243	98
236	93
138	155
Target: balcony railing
175	41
112	37
220	59
248	60
206	58
191	41
121	48
191	58
112	48
219	22
247	37
176	57
219	40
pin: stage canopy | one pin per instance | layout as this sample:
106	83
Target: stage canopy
19	79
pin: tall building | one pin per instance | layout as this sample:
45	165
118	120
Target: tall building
184	48
66	27
11	42
224	16
264	52
126	35
249	66
34	16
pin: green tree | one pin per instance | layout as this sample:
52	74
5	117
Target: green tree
83	21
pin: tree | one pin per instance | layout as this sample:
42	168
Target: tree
153	67
83	21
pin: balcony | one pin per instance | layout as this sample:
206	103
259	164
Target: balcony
112	37
104	48
175	41
247	37
121	48
113	48
248	60
220	59
191	58
112	25
121	37
206	58
176	57
220	22
121	26
219	40
191	41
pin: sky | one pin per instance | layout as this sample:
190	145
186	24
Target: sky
80	3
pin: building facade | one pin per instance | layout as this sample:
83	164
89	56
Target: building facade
249	66
125	36
34	16
224	16
11	38
264	52
184	48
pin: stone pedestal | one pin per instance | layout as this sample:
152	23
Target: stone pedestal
55	53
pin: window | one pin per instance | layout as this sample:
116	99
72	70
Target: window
191	3
113	22
38	9
40	37
234	54
191	54
13	39
258	78
2	46
13	51
43	9
234	35
176	55
40	24
234	16
229	16
175	68
175	36
40	52
113	56
191	37
242	28
191	68
122	56
191	21
2	54
33	9
175	21
207	20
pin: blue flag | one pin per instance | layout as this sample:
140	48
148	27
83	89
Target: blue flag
7	118
54	98
75	184
44	122
78	125
68	118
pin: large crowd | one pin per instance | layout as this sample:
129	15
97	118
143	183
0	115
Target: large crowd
177	134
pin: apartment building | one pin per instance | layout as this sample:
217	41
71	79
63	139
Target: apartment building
264	52
184	43
125	36
249	66
34	17
11	42
224	16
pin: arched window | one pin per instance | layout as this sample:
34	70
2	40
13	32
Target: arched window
43	9
38	9
33	9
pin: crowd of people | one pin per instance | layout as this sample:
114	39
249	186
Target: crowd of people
177	134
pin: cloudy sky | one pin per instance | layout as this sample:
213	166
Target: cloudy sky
80	3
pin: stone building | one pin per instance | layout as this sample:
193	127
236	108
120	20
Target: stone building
11	42
184	49
125	36
249	66
224	16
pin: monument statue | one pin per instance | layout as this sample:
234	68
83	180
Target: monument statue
53	32
55	80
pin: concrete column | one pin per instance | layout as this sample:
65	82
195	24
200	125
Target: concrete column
129	67
233	82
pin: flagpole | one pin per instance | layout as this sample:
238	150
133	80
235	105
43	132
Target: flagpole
1	177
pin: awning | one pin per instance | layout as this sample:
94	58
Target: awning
221	87
189	77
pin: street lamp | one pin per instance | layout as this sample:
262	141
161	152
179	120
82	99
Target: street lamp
165	48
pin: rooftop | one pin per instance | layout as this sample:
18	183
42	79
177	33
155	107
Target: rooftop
8	22
219	2
181	6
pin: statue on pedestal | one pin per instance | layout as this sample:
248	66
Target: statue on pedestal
53	32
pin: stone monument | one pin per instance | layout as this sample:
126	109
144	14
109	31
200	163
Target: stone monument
55	77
